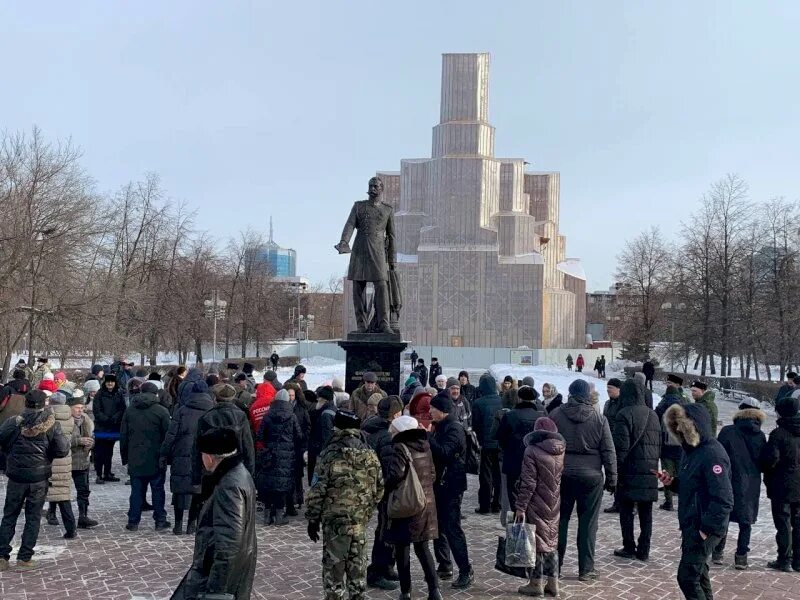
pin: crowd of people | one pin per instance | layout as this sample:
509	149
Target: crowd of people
231	447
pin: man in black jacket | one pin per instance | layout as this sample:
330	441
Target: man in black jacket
225	548
422	371
299	377
637	442
108	407
31	441
780	460
144	427
380	572
705	495
590	465
514	426
449	446
321	426
610	410
483	413
671	451
649	370
469	391
435	371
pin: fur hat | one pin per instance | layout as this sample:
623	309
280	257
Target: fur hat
700	385
545	424
326	393
674	379
682	423
580	390
110	377
91	386
218	441
391	405
451	382
309	396
223	392
370	377
35	399
345	419
442	402
404	423
525	393
614	382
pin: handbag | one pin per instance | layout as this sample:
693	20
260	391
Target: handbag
472	461
408	498
500	565
520	544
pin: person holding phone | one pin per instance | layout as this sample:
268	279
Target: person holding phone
705	495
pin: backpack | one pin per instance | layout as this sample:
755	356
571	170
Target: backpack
472	461
408	498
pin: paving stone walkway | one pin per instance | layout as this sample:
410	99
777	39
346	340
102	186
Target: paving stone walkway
110	563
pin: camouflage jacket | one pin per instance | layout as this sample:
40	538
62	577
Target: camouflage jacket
348	482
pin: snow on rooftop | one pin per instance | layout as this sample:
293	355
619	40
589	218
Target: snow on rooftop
573	267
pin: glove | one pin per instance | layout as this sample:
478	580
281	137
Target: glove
610	488
313	531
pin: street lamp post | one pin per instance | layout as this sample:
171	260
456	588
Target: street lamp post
215	309
40	235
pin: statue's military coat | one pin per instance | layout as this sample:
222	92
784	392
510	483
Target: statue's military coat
374	240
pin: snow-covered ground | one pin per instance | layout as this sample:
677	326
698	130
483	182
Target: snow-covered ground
320	371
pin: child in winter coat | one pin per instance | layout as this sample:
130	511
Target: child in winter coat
539	501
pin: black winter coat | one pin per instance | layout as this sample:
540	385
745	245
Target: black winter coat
611	408
780	461
422	527
281	436
670	449
107	410
227	415
31	441
515	425
225	551
649	369
422	371
483	412
704	479
304	420
436	370
471	393
744	442
178	444
554	403
449	447
321	428
144	427
380	440
637	441
590	448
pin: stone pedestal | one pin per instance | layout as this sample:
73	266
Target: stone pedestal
376	352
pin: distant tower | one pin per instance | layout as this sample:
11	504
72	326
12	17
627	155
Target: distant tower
281	262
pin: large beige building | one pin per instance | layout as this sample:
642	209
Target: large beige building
480	256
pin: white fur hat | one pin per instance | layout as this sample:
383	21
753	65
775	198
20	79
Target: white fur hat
401	424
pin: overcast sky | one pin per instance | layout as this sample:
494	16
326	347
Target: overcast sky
254	109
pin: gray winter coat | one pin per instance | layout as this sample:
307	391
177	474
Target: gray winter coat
590	448
80	453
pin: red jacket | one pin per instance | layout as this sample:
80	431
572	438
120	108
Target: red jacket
264	395
579	362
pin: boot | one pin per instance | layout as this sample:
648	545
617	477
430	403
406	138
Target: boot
535	587
71	535
178	529
51	514
718	558
740	562
191	528
84	522
269	516
465	579
282	520
551	587
434	594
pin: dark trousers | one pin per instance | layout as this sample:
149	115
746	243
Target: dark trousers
693	568
103	453
29	496
742	541
139	489
402	553
382	553
451	535
67	516
587	495
787	530
648	383
275	501
81	481
489	490
642	548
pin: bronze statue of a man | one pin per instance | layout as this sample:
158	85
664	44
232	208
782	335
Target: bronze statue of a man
373	256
